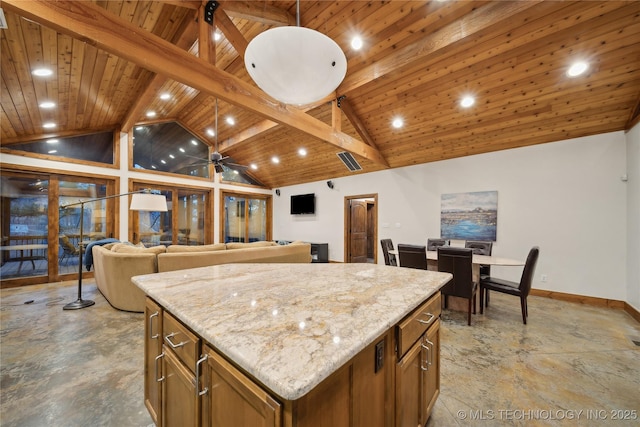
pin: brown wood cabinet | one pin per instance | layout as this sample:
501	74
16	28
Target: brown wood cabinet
394	381
171	355
418	368
152	350
231	399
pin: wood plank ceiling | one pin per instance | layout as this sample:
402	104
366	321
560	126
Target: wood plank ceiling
113	59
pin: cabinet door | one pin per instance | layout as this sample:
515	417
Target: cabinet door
409	383
152	368
231	399
431	376
180	405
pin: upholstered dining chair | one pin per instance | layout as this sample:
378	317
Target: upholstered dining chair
434	244
459	262
520	289
387	245
480	247
412	256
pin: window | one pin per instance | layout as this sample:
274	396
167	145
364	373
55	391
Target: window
183	224
96	147
168	147
246	217
40	237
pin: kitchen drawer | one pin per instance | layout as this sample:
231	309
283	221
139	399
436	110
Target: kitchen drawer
416	323
181	340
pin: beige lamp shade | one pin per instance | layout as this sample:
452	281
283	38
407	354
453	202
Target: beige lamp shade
148	202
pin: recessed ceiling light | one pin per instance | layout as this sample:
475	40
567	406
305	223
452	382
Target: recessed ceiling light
47	104
397	123
181	149
42	72
163	162
253	166
230	121
49	125
165	96
151	113
139	128
577	68
172	156
217	36
302	152
52	151
52	141
194	142
275	160
236	172
211	132
356	43
153	167
467	101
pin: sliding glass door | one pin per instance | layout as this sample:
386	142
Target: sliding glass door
246	217
40	224
184	223
24	201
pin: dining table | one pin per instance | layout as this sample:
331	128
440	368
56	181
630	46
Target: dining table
477	261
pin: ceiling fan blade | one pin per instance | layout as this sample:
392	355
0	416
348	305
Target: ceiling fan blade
235	166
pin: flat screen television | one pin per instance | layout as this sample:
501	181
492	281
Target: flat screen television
303	204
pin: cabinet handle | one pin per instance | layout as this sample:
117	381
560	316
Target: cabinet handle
206	389
426	322
431	345
151	335
168	340
424	364
160	356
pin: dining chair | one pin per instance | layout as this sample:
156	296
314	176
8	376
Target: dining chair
434	244
459	262
520	289
412	256
68	249
387	245
481	247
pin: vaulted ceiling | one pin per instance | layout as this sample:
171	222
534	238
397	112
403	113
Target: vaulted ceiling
113	59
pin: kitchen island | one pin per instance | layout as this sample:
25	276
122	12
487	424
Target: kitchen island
292	344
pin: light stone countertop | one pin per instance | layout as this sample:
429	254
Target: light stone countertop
291	325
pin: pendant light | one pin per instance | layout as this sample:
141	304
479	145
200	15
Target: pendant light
295	65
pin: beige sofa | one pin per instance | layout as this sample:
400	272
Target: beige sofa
115	265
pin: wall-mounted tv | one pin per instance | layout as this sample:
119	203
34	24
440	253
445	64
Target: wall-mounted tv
303	204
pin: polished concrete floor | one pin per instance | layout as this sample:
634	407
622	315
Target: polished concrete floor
571	365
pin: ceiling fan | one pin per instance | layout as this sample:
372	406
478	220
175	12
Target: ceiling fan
218	160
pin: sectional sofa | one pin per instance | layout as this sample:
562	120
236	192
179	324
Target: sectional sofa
115	264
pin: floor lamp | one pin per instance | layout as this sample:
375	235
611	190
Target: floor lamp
141	200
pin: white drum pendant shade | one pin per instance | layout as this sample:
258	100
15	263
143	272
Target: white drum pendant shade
295	65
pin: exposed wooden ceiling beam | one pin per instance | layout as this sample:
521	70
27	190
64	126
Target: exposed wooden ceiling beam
94	25
189	4
222	21
481	18
187	38
259	12
206	43
358	124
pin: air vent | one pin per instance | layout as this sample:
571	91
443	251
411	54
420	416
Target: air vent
349	161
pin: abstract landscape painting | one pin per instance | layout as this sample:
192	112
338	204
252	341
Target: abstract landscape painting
469	216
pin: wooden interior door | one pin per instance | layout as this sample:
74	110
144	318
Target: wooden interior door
358	231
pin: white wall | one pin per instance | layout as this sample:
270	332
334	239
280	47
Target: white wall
633	217
566	197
